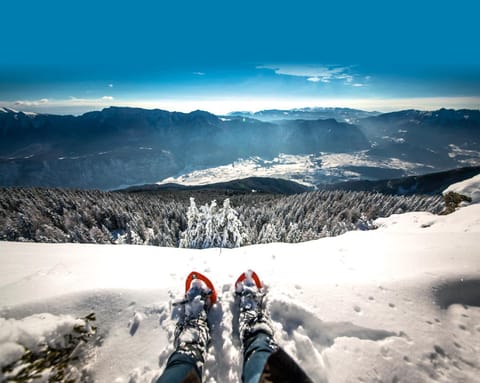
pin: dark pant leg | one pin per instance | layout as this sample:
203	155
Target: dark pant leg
181	368
256	351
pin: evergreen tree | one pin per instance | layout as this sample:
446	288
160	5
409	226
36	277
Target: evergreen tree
210	226
190	237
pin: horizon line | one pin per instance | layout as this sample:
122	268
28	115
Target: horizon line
226	106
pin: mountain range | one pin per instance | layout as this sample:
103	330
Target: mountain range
121	146
340	114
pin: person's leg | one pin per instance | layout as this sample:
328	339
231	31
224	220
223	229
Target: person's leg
255	328
263	360
181	368
256	352
192	337
186	362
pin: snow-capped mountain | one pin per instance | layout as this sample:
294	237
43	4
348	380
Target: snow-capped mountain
349	115
127	146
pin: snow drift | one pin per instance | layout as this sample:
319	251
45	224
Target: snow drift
469	188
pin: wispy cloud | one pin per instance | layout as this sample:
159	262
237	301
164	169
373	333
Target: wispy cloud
110	85
54	105
28	103
199	73
316	73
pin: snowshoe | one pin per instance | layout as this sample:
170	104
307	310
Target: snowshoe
252	318
279	367
192	334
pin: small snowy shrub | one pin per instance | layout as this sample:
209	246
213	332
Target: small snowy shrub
45	347
453	200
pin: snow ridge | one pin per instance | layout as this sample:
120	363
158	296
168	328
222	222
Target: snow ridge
469	188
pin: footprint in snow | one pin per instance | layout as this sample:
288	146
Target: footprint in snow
135	323
307	336
323	334
385	351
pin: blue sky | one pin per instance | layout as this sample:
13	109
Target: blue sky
74	56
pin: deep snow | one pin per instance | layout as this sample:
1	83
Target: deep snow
397	304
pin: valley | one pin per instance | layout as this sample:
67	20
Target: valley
120	147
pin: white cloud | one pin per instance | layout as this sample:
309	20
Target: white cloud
199	73
72	104
312	73
28	103
110	85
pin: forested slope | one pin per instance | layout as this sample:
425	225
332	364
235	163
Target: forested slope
59	215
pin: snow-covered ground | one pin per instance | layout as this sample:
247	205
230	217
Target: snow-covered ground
305	169
467	188
397	304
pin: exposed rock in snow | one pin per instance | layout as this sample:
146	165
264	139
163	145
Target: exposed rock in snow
469	188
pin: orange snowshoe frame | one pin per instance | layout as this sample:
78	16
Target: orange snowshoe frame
196	275
255	278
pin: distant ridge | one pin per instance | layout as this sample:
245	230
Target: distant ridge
433	183
340	114
120	146
250	184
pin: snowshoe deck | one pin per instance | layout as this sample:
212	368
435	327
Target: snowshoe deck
250	274
196	275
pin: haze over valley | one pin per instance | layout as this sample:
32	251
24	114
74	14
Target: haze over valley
119	147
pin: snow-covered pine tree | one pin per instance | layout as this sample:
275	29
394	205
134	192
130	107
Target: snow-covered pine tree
294	235
229	227
210	226
189	238
208	222
268	234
